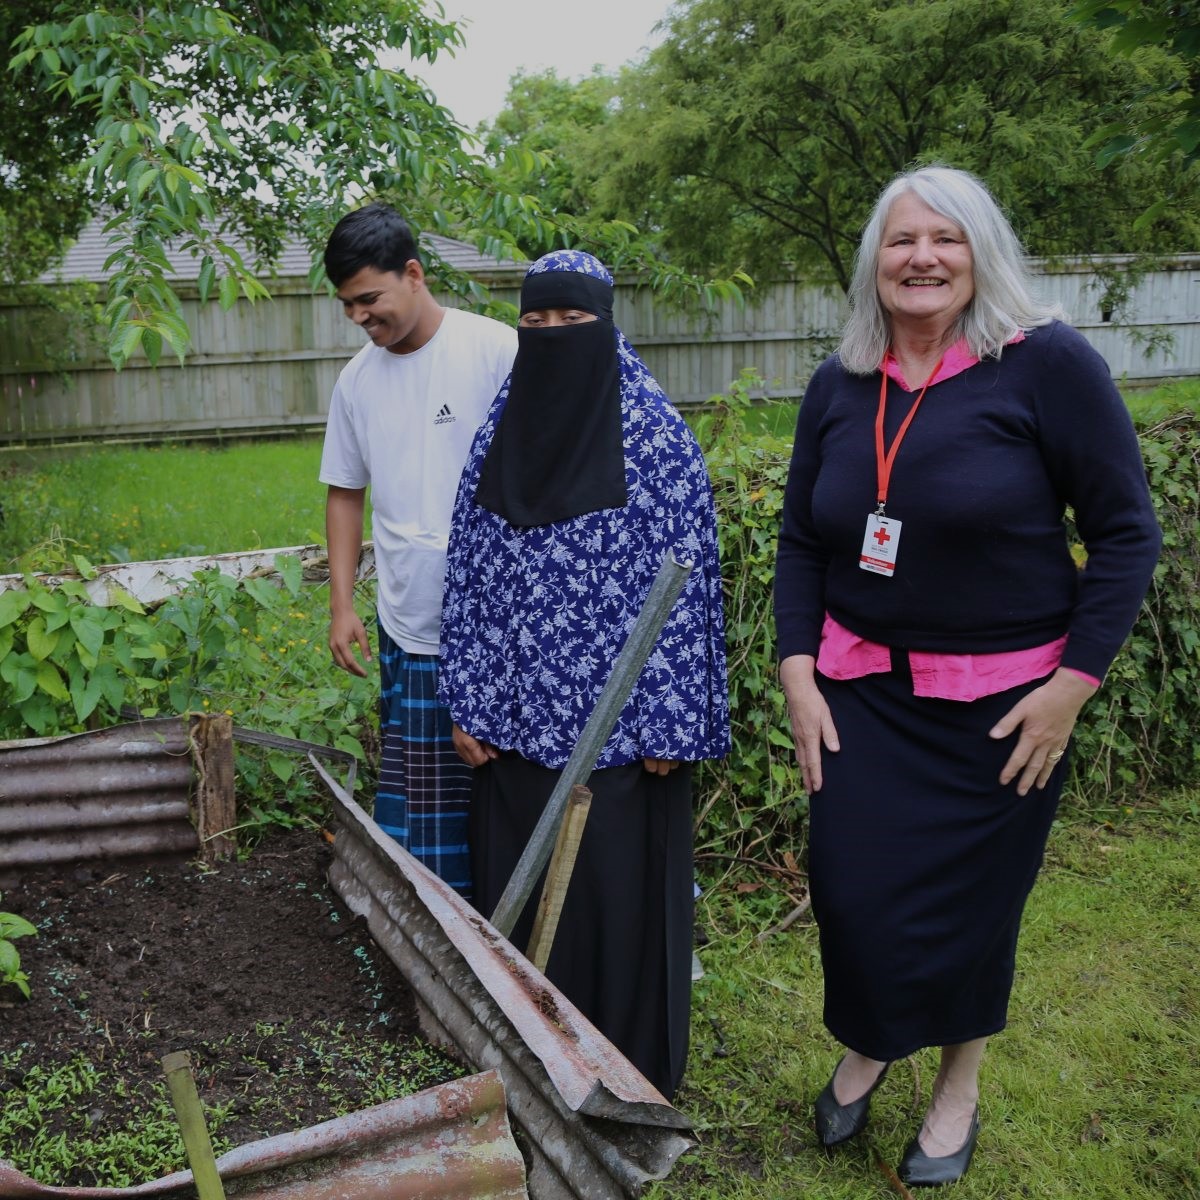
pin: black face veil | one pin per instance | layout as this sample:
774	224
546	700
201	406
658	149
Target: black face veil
557	451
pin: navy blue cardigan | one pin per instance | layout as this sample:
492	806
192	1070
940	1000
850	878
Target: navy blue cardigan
981	482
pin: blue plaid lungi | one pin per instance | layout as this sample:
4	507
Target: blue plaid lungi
424	787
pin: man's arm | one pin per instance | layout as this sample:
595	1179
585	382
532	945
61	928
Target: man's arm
344	508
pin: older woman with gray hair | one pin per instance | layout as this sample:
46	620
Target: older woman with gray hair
937	639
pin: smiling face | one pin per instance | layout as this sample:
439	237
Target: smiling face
391	307
926	274
547	318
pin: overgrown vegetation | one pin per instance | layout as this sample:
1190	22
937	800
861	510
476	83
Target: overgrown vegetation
1139	730
258	649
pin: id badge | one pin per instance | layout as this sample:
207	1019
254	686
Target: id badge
880	544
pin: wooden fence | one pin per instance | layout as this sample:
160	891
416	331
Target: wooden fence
269	367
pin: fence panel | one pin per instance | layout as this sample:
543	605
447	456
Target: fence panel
270	366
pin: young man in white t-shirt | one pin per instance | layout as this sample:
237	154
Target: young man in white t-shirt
401	419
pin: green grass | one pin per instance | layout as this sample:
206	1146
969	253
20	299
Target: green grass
121	504
126	504
1092	1093
1148	406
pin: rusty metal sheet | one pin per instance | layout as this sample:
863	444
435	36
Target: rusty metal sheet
152	581
120	792
451	1142
598	1130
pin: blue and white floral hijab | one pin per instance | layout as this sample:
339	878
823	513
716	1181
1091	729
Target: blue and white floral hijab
534	616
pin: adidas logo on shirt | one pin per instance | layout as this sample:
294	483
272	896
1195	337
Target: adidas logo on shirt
444	416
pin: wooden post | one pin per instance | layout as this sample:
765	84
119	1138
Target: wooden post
177	1067
558	876
211	736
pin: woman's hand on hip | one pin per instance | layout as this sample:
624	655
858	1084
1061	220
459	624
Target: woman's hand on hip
812	722
471	750
1045	719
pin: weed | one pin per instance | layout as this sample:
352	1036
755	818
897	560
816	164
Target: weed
11	975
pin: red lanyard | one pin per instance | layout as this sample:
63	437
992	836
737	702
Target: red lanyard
883	461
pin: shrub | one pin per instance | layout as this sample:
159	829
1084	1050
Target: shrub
254	648
257	649
1137	732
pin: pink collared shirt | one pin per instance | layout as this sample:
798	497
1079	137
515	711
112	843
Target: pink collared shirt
844	655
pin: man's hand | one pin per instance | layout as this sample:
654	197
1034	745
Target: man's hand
345	632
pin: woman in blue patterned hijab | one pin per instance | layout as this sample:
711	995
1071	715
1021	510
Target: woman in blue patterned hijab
581	479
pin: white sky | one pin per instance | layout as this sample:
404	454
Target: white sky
505	36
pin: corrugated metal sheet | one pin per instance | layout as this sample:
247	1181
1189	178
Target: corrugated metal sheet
598	1130
155	580
116	793
451	1142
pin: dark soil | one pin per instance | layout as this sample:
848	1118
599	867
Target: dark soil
290	1012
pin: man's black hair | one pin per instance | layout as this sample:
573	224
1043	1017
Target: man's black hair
373	236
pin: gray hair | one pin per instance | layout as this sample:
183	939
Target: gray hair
1004	301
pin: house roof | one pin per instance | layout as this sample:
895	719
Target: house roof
86	257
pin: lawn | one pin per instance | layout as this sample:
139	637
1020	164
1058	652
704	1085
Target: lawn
120	504
1092	1093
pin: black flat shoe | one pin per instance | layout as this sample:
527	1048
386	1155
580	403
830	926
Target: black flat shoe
918	1169
837	1123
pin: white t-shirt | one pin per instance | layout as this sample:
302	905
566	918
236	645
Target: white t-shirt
403	424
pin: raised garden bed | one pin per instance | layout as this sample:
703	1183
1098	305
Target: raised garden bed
290	1011
76	808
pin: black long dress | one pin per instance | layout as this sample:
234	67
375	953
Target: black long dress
911	822
623	951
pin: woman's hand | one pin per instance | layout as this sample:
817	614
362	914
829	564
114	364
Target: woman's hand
660	766
1045	718
812	722
471	750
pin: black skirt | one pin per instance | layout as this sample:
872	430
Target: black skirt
920	864
622	954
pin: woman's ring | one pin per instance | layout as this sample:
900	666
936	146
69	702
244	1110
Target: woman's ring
1055	755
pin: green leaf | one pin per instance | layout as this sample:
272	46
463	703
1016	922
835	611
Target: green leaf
12	604
204	281
48	601
88	626
283	766
228	291
51	682
13	926
111	687
122	598
41	643
85	695
291	571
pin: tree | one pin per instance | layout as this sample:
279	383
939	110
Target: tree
759	132
43	194
1170	132
535	142
211	124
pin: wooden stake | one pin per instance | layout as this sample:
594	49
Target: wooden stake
177	1067
558	876
216	807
